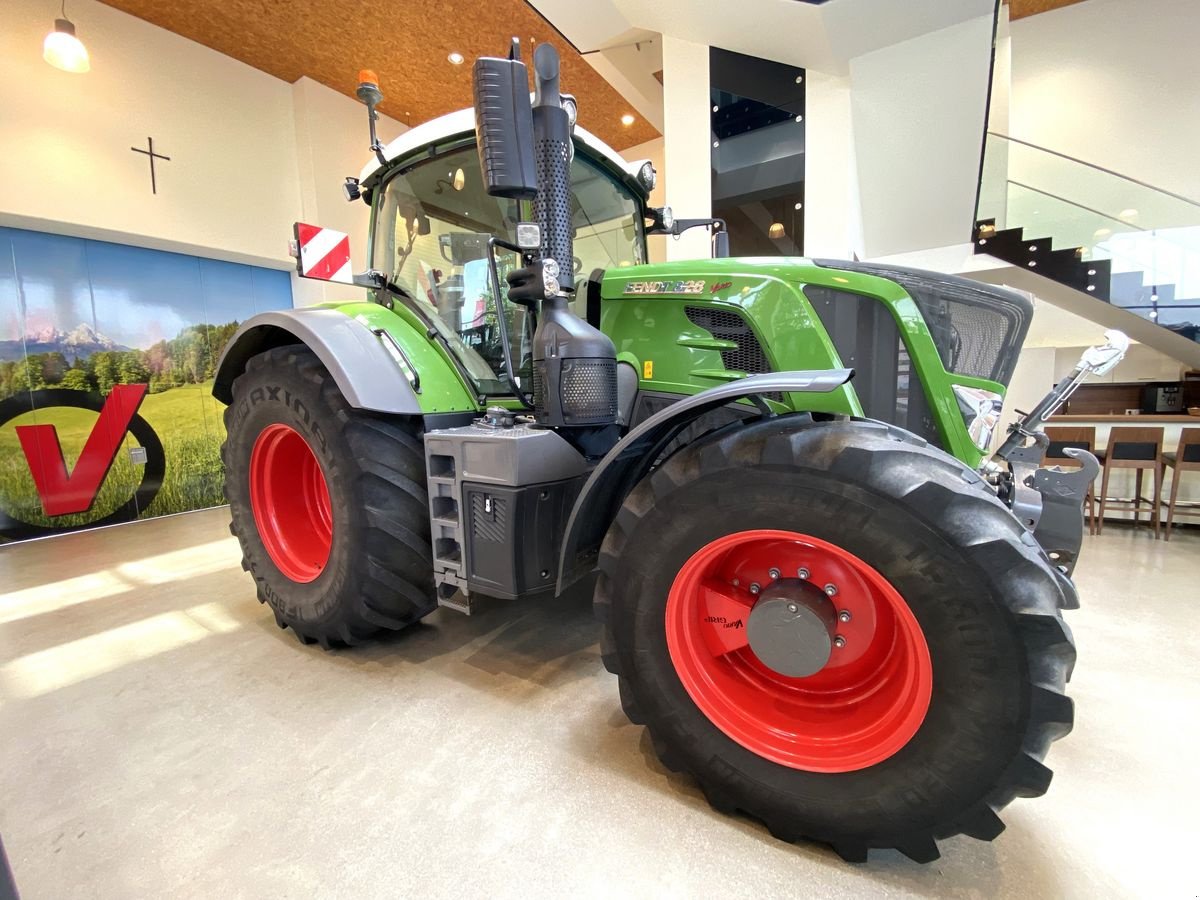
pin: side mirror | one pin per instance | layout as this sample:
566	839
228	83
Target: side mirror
504	127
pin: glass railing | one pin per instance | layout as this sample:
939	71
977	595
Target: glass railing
1149	237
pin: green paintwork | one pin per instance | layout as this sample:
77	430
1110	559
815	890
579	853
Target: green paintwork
443	389
685	359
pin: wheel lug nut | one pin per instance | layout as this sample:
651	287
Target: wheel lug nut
754	588
831	589
844	615
792	607
802	573
839	641
774	573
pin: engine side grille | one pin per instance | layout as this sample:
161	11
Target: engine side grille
866	337
727	325
978	329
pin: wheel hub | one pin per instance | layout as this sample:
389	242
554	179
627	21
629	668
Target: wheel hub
791	628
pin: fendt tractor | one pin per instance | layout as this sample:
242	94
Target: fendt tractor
819	592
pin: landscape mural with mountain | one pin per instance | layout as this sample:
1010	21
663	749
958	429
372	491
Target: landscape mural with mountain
79	318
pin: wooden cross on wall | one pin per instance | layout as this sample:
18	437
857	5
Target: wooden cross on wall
153	156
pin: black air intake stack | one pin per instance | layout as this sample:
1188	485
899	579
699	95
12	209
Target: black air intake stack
575	365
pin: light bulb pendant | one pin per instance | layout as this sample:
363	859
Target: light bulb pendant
63	50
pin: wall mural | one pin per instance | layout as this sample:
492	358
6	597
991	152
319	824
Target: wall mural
107	355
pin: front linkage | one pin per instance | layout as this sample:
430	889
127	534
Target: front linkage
1049	501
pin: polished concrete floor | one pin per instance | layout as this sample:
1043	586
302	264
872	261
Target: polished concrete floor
160	736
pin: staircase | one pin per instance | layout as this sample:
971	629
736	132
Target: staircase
1111	238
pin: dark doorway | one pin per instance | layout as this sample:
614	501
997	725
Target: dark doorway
758	152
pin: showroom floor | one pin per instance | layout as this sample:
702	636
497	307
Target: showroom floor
160	736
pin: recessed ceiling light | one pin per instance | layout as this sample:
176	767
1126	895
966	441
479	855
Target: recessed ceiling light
799	206
716	143
799	79
1129	214
1102	232
627	120
716	108
799	118
455	58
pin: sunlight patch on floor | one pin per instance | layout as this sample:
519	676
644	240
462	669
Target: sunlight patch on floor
70	663
202	559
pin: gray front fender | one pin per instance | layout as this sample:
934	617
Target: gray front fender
629	461
366	373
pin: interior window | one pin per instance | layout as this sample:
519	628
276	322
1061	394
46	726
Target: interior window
431	237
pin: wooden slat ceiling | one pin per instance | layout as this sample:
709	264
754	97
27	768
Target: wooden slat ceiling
1019	9
406	43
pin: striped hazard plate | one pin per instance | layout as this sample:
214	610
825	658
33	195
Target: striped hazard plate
323	253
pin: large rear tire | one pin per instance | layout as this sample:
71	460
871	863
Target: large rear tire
328	502
942	682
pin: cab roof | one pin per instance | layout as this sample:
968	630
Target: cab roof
462	123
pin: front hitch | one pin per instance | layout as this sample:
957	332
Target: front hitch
1049	501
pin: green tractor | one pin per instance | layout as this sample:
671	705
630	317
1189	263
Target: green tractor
822	597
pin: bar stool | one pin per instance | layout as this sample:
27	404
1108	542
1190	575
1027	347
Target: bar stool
1133	448
1082	437
1185	459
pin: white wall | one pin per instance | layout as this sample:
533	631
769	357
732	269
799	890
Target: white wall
236	180
832	221
1113	82
918	113
687	134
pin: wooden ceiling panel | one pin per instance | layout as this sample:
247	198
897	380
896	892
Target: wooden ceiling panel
1019	9
406	44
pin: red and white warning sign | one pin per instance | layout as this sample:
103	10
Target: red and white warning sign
323	253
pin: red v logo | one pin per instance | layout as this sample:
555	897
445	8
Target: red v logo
64	493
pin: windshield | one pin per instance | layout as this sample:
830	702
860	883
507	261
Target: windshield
431	238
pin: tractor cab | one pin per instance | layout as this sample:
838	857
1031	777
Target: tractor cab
432	217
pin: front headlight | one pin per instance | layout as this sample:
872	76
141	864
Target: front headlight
981	411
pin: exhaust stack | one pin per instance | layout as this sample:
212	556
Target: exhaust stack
574	364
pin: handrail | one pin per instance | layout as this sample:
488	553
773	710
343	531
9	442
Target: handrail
1083	162
1103	215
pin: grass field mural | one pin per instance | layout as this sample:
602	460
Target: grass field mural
84	321
187	420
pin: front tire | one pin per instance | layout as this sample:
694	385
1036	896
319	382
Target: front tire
947	711
328	502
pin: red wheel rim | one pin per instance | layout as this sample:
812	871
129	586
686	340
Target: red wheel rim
863	706
290	500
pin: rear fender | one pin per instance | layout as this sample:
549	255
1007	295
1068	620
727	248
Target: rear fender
370	365
629	461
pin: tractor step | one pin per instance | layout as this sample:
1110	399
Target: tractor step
454	598
499	498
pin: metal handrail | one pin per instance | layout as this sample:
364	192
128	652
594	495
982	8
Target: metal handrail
1151	231
1082	162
